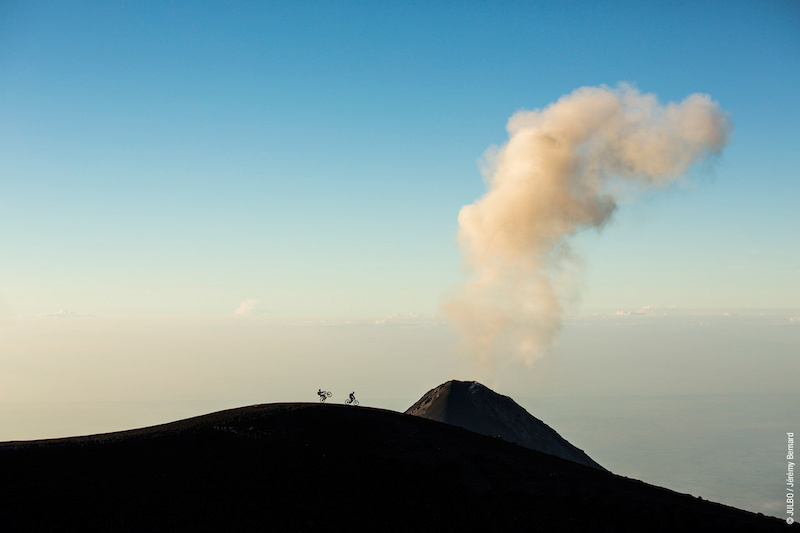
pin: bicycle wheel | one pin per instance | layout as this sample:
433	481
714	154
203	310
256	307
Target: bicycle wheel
355	402
327	394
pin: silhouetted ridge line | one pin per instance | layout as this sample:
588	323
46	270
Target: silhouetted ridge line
312	467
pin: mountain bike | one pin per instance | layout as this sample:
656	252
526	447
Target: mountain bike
324	395
351	402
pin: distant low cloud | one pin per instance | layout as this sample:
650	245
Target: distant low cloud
247	308
646	310
409	319
394	319
65	313
795	319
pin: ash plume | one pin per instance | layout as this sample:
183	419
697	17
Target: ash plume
561	171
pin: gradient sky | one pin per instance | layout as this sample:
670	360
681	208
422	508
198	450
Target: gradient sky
180	161
178	158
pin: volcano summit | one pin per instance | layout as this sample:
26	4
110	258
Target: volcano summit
475	407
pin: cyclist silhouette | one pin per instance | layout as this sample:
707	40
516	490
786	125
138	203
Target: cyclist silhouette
352	400
323	395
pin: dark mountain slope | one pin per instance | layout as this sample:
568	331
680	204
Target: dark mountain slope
311	467
475	407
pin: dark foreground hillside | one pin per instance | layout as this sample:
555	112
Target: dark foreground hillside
310	467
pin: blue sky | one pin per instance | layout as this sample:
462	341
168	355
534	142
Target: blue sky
177	159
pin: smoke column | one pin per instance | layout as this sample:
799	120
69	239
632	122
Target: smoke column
559	173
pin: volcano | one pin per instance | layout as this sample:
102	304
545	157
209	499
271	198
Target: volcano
316	467
475	407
